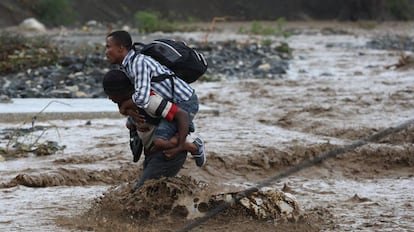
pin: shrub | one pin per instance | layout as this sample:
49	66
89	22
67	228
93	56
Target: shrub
151	21
55	12
400	9
257	28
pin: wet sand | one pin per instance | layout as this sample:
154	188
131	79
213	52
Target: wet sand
335	93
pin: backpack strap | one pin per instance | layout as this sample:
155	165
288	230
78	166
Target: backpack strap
157	78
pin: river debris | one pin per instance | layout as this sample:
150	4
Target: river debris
24	141
183	197
21	150
405	61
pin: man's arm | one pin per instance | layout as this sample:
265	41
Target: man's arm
183	124
142	81
159	107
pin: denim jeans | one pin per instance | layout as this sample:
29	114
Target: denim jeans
167	129
157	165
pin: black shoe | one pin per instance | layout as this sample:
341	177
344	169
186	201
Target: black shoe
135	144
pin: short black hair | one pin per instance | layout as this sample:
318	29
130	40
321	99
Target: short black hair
116	82
121	38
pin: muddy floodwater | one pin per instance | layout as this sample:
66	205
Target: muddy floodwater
337	91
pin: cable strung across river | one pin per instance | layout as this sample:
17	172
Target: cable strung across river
304	164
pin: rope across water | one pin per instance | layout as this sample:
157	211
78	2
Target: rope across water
297	168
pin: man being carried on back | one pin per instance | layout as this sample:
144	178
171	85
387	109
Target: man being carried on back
119	89
140	69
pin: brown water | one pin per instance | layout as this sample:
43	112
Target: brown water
332	96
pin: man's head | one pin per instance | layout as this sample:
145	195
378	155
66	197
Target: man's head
118	44
117	86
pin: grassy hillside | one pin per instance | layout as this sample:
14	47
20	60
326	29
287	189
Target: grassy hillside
77	12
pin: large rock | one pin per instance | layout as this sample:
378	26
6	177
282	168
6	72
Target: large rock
32	24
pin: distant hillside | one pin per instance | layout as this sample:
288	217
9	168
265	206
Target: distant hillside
13	12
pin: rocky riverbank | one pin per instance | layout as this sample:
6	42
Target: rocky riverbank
78	70
79	75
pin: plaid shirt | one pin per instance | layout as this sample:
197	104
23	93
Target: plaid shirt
141	69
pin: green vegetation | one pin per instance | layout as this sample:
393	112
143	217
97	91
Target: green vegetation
368	25
257	28
19	53
209	78
284	48
150	21
55	12
280	27
400	9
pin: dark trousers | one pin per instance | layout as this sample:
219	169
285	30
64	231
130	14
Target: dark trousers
157	165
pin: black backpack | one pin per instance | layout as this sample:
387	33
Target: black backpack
185	62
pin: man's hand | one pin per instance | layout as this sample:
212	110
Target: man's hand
139	120
127	105
137	117
128	108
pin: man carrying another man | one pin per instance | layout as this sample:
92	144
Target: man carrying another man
166	152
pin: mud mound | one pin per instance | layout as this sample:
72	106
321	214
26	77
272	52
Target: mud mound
157	204
374	159
163	197
263	161
403	137
73	177
170	203
377	160
392	154
347	133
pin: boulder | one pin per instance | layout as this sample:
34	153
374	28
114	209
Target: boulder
32	24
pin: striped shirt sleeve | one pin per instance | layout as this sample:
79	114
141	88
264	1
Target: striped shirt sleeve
141	68
142	82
